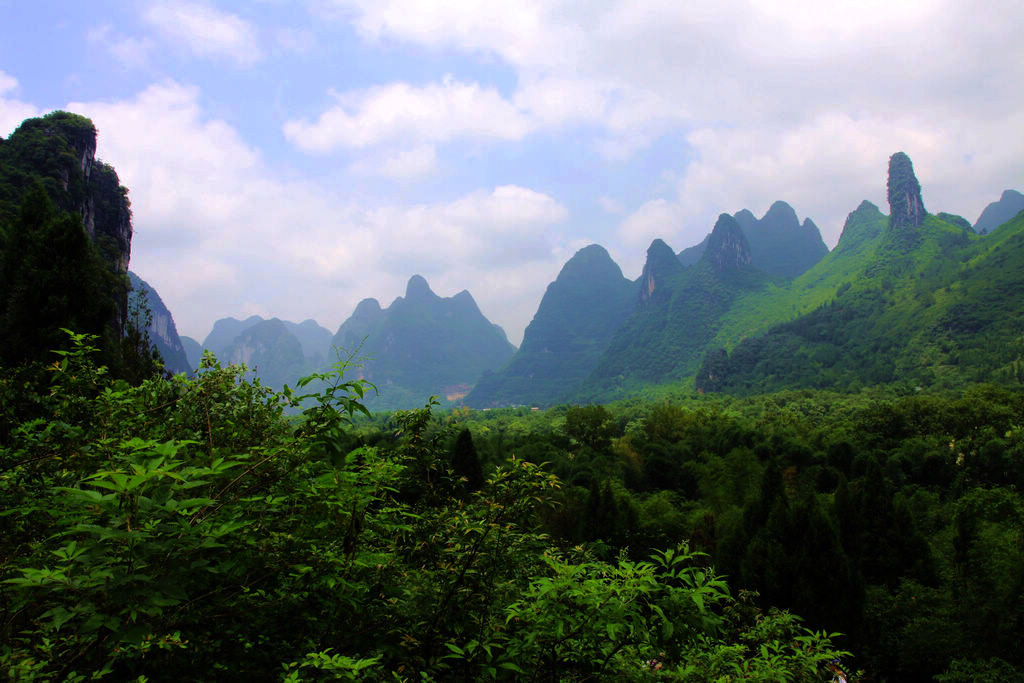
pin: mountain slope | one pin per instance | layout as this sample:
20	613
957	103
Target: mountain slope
679	311
995	214
934	304
578	315
193	351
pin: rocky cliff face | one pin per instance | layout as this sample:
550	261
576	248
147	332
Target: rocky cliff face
661	265
60	149
906	209
727	247
162	330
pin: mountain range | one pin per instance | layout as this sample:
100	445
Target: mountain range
760	304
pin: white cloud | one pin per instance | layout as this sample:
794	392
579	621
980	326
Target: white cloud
206	31
12	111
401	112
402	164
658	218
132	53
610	205
217	229
806	99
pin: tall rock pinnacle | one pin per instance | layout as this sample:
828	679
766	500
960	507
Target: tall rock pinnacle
661	264
906	210
727	247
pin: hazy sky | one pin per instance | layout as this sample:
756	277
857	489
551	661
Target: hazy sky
291	158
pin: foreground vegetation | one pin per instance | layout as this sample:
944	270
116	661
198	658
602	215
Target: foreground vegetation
185	529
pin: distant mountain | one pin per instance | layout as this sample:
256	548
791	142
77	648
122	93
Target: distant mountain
162	330
193	351
779	243
223	335
314	339
997	213
577	317
279	351
924	302
271	351
679	311
423	345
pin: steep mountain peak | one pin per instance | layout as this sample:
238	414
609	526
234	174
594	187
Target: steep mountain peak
661	263
995	214
418	289
747	219
860	226
906	209
366	308
727	247
781	213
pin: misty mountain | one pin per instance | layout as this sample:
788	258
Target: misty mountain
422	345
193	351
995	214
779	243
271	351
278	351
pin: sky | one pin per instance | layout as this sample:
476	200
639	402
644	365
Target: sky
291	158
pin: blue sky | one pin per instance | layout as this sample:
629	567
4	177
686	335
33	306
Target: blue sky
292	158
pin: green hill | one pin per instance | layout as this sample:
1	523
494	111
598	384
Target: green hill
678	313
925	305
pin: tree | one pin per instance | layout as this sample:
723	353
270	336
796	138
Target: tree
466	463
51	277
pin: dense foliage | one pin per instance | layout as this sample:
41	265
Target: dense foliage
185	529
894	518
